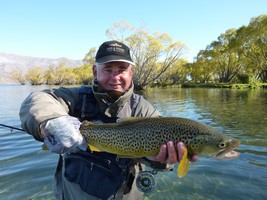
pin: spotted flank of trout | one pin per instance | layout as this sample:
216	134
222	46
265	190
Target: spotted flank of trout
142	137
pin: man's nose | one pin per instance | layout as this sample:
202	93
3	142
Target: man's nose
114	74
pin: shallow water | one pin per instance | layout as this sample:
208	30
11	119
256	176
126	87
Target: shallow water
26	171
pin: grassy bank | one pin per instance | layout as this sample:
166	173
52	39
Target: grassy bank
225	85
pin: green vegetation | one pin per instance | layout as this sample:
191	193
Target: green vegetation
238	56
224	85
237	59
55	75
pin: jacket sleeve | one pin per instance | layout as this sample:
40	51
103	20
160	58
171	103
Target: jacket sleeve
43	105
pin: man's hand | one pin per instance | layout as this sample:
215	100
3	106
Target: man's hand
62	135
171	154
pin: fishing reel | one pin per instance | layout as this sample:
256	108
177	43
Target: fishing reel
145	181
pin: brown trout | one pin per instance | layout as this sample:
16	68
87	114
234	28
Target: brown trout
142	137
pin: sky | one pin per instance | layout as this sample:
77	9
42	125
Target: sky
68	28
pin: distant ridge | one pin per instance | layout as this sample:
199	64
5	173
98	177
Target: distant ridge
12	62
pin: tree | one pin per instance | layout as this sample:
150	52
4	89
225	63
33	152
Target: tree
252	39
223	56
18	76
84	73
153	54
58	75
202	70
120	31
89	58
178	73
35	76
71	78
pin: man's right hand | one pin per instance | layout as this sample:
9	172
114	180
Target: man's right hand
62	135
171	154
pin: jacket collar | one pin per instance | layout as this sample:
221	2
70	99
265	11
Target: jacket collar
111	101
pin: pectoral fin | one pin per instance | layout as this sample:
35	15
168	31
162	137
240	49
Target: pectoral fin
93	148
183	166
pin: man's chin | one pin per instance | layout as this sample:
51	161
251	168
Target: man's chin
114	95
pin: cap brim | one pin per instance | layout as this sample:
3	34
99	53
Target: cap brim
108	59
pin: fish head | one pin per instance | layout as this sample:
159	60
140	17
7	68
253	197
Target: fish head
217	146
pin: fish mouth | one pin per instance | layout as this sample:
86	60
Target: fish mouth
228	153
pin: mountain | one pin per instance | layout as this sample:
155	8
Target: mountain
12	62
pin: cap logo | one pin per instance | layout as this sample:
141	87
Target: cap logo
115	48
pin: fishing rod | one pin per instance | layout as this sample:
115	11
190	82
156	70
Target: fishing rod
19	129
12	127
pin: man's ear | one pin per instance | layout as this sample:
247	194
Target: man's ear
95	70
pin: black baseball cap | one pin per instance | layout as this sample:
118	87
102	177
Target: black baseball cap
112	51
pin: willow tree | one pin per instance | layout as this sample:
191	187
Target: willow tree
176	74
202	70
18	76
89	58
85	74
35	76
225	58
154	54
60	74
252	40
85	71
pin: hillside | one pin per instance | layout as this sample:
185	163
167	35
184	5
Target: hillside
12	62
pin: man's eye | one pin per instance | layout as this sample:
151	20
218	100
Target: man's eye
122	70
107	70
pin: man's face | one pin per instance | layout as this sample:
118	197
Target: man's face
114	76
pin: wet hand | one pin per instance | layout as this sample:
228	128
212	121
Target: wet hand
62	135
171	154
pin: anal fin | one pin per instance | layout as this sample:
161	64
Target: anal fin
183	166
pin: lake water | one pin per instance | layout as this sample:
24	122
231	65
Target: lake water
26	171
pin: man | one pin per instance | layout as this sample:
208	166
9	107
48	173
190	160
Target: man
53	116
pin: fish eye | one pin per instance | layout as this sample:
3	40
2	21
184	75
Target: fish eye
222	144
